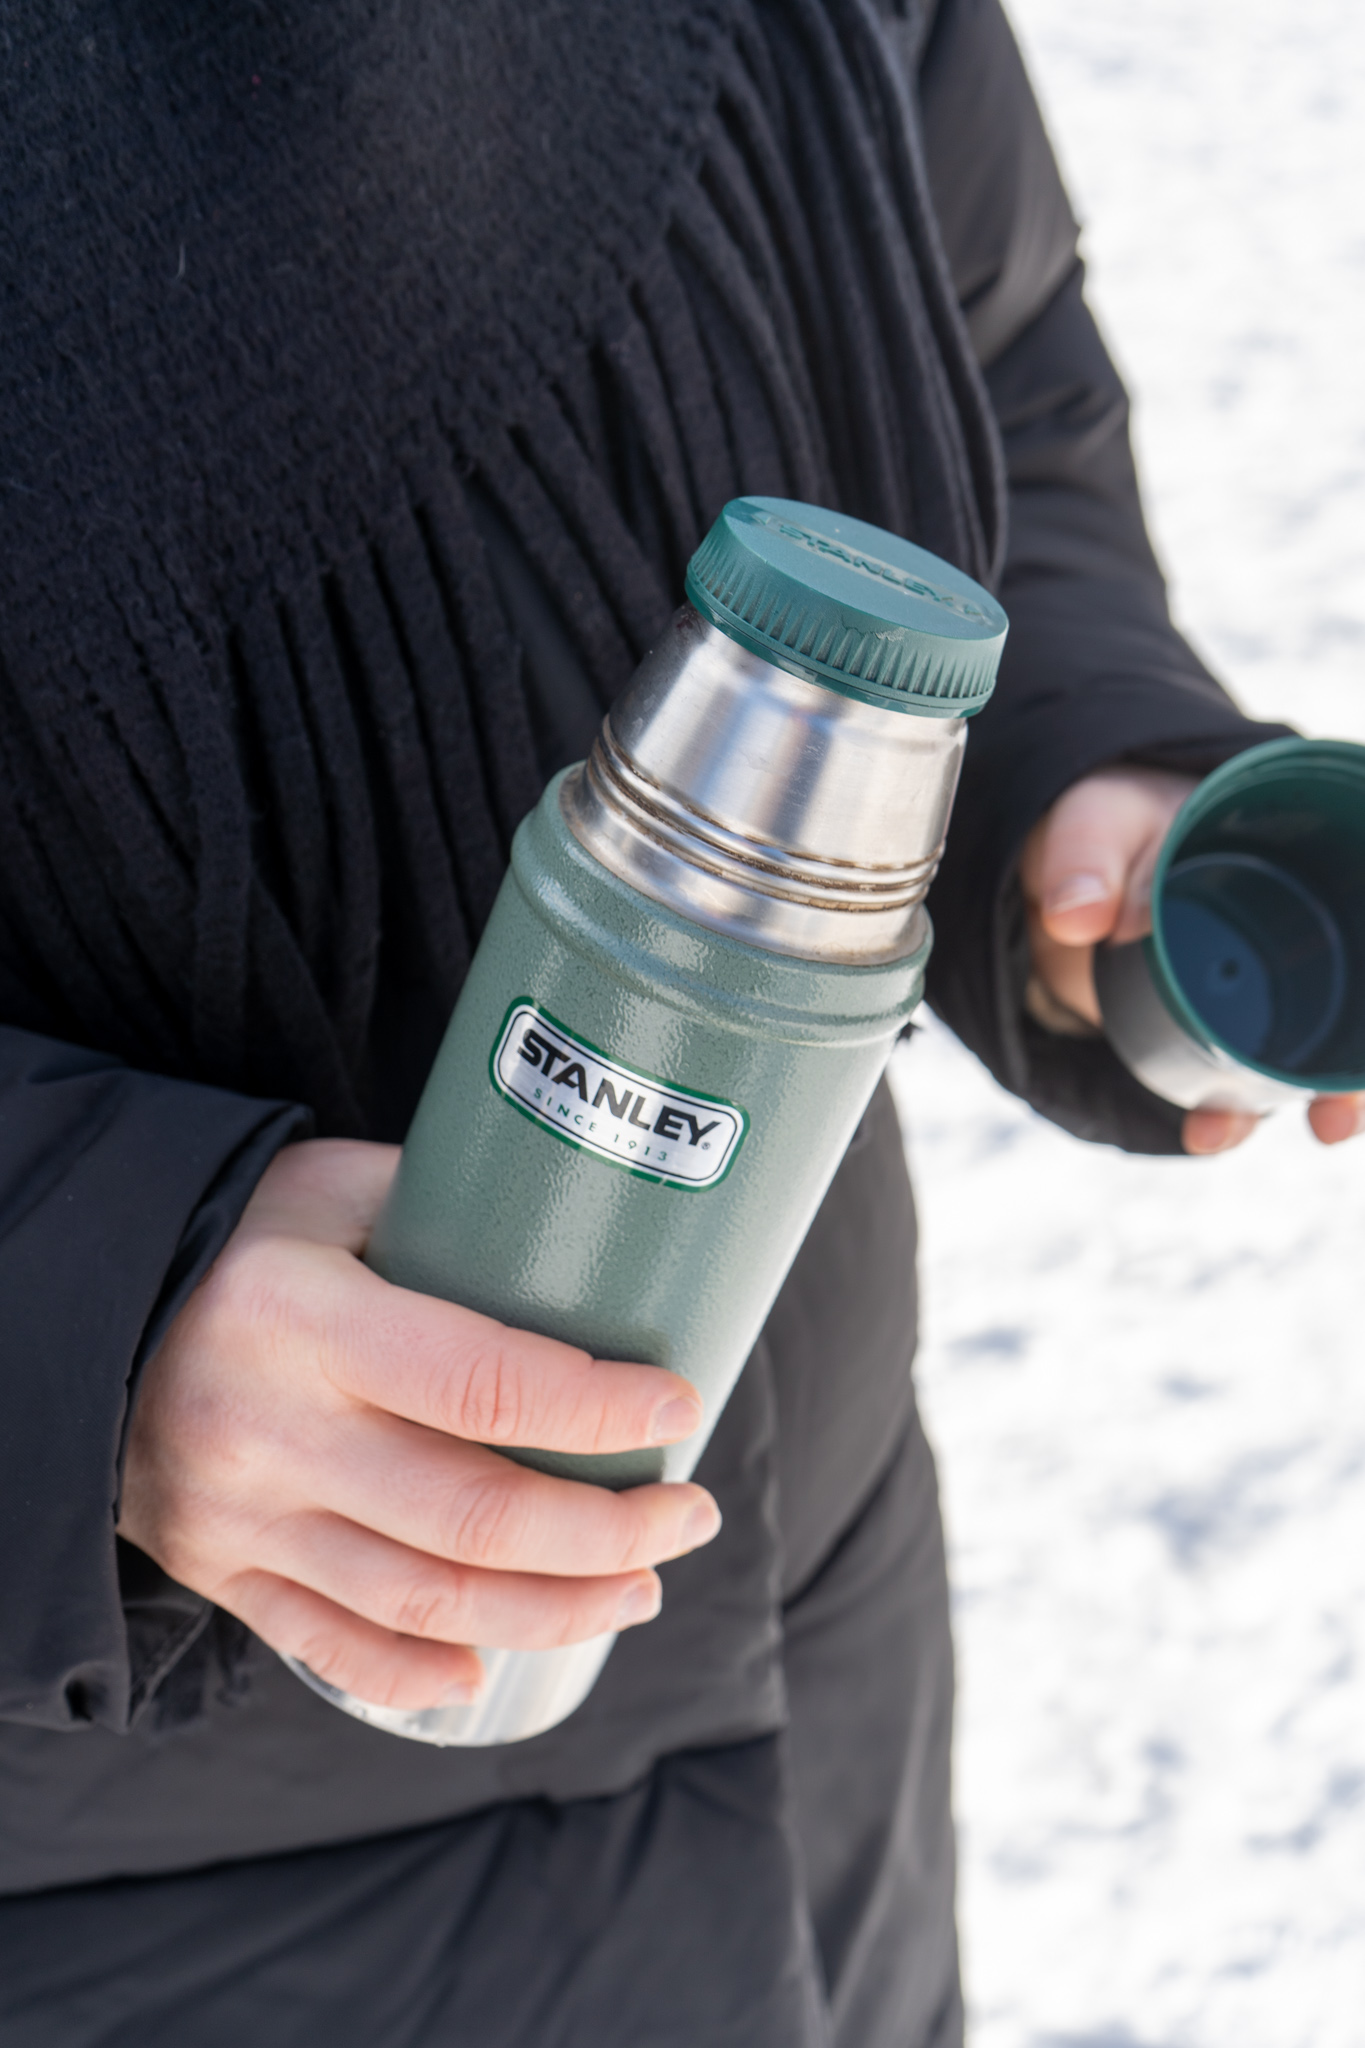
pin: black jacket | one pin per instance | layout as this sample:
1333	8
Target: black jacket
367	374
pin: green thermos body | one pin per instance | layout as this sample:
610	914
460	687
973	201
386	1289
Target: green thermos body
709	938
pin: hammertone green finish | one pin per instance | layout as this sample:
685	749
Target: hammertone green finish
490	1209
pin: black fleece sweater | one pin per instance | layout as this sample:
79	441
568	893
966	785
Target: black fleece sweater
368	372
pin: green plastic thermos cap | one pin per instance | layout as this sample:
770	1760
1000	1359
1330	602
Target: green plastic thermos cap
851	605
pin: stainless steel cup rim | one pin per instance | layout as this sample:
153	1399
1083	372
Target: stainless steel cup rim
1274	763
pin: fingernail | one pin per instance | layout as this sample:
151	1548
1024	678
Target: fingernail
640	1602
1206	1137
1352	1123
701	1525
1073	892
462	1694
678	1417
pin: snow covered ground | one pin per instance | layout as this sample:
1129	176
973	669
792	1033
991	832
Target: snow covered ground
1146	1378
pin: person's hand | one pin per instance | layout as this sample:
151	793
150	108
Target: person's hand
1086	873
308	1451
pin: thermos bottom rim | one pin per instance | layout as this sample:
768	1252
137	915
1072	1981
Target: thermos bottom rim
525	1693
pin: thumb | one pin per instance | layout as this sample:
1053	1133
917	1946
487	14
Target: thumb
1087	867
1075	865
1081	898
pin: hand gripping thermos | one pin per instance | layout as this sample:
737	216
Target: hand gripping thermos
1250	991
709	938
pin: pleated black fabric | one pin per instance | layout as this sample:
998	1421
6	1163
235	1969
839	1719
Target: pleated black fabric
264	734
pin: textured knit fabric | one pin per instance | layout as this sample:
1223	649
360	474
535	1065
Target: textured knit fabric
279	283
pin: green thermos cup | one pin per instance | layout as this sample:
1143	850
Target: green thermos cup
709	938
1250	991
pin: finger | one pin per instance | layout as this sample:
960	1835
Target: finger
327	1190
1216	1130
470	1506
1074	866
414	1594
371	1663
472	1377
1067	971
1334	1118
1087	866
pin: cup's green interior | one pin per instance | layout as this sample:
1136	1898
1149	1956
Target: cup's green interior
1258	912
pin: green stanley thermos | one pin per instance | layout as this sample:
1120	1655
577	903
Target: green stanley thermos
708	940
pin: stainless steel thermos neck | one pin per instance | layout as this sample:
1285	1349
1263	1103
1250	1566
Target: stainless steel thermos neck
709	938
765	806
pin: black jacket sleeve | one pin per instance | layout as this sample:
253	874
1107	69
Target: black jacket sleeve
117	1190
1094	671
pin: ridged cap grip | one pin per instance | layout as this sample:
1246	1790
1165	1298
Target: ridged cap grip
849	604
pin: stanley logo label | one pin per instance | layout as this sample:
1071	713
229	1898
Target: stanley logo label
655	1130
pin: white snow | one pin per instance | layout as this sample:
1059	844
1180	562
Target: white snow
1146	1378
